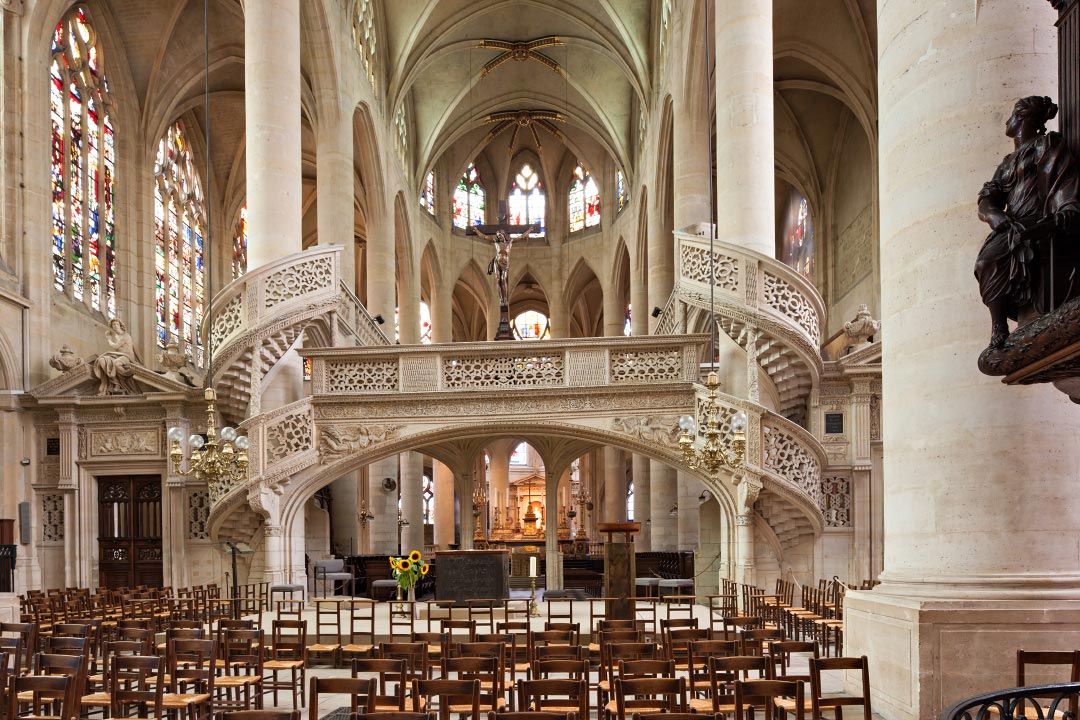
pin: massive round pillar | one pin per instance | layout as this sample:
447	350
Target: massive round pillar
272	123
745	165
981	513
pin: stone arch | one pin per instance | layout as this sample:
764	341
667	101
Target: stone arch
430	272
582	294
527	292
470	300
619	282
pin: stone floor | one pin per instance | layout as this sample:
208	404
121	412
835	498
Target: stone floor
331	704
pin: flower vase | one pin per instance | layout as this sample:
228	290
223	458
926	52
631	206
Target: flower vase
412	601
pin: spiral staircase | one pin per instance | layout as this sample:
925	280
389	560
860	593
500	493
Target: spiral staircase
368	398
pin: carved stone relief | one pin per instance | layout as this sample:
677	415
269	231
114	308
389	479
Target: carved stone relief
663	430
123	442
198	514
339	441
52	517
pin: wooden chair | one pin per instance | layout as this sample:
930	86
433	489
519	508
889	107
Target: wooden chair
327	632
821	701
532	715
136	681
499	651
444	694
37	697
699	676
192	674
482	613
262	715
649	695
242	657
435	642
548	637
484	669
402	620
453	638
753	694
610	656
72	666
733	626
414	655
572	669
288	653
555	696
754	642
392	716
361	692
361	620
388	698
28	633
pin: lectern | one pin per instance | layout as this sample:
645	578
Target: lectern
619	568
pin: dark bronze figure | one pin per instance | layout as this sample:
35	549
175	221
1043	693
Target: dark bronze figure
1027	264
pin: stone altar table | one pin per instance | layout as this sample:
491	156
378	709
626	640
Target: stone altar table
472	574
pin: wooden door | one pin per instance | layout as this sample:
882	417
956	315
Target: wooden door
129	531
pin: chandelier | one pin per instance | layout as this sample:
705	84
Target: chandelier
712	456
219	461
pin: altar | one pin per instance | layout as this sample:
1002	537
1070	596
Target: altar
472	574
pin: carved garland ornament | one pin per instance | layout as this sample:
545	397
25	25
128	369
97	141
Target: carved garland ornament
339	441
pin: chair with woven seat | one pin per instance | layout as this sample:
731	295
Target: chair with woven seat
242	658
821	701
571	669
415	657
610	656
548	637
559	696
755	641
38	697
361	621
327	635
444	694
391	681
136	681
262	715
361	692
288	653
648	695
532	715
28	633
393	716
190	666
435	642
487	671
699	676
499	651
482	613
753	694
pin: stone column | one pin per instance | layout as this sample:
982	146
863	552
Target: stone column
551	529
382	529
642	502
744	548
499	453
859	512
411	474
334	167
272	123
663	493
689	518
981	513
444	503
745	165
614	485
691	138
465	499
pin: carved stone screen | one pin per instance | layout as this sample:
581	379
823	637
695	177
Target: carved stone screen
472	574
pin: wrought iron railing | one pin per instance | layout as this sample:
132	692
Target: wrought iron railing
7	567
1037	702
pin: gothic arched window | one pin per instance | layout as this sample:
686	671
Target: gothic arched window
428	491
798	239
526	199
584	200
239	245
83	166
469	199
427	195
531	325
178	235
363	30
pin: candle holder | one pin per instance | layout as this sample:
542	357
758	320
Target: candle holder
533	610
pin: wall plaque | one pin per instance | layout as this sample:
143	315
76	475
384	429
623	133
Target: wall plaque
834	423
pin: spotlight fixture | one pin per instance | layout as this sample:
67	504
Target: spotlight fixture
674	510
380	319
656	311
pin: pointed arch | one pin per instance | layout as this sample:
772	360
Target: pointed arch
619	283
470	300
582	295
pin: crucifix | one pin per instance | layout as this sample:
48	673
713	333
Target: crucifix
503	236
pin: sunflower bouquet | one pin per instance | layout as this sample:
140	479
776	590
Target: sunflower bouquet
408	570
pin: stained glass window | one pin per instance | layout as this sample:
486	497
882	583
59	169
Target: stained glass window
427	195
531	325
584	200
626	323
178	235
526	199
520	455
468	204
82	166
425	323
307	368
364	37
630	500
429	500
239	245
621	193
798	250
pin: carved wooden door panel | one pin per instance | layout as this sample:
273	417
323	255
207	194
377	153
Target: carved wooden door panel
129	531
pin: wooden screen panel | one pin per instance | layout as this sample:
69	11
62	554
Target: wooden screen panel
129	531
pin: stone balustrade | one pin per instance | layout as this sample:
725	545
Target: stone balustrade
747	281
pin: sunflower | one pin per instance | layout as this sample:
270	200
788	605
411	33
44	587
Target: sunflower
424	568
393	562
414	556
404	565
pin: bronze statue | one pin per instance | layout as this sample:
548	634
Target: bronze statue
502	235
1032	205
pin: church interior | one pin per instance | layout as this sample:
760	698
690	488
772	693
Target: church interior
644	329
